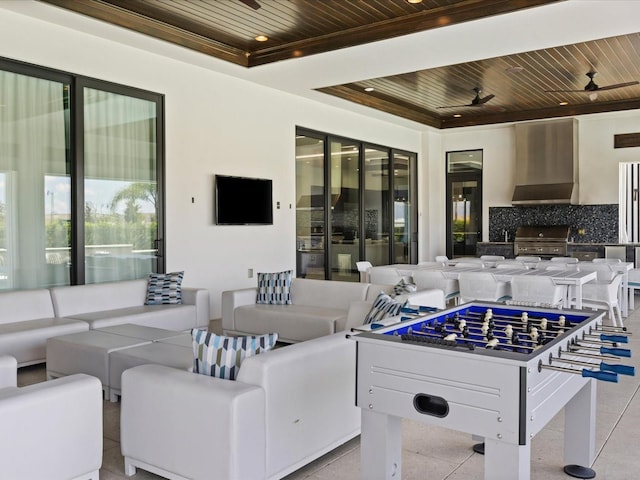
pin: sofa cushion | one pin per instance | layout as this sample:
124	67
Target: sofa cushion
294	323
71	300
20	305
326	293
172	317
384	306
275	288
220	356
164	288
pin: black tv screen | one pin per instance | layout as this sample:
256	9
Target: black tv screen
243	201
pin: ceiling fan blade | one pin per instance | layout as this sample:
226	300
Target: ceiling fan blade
485	99
458	106
618	85
251	3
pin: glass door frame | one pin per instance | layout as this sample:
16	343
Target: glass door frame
464	176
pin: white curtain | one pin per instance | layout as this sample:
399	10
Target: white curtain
32	144
120	186
628	202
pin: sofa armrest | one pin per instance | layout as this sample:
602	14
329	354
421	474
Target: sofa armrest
200	298
8	371
232	299
193	425
58	422
355	317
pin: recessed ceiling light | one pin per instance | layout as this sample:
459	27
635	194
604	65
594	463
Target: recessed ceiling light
369	89
414	1
457	115
262	38
563	103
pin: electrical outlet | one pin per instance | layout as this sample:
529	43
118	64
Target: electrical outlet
250	273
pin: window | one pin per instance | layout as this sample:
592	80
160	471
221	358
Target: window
629	203
355	201
81	165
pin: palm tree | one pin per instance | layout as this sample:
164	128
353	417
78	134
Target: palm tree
134	192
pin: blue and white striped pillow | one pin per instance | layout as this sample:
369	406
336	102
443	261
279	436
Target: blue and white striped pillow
275	288
384	306
164	288
403	287
220	356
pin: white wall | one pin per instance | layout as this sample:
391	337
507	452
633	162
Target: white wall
214	124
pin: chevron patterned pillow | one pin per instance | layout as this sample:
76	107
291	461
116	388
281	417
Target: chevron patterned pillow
220	356
164	288
384	306
275	288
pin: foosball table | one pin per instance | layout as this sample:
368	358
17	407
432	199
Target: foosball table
494	371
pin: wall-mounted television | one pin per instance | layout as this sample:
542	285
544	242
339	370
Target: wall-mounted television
243	201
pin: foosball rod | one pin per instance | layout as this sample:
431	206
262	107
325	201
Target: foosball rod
607	338
453	336
566	323
589	355
598	375
519	321
519	328
605	367
618	352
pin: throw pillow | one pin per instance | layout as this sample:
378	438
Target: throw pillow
384	306
164	288
403	287
220	356
275	288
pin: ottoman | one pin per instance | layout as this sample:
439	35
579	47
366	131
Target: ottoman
86	352
152	334
161	353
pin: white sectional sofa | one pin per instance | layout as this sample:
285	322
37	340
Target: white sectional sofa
319	307
51	429
287	407
29	317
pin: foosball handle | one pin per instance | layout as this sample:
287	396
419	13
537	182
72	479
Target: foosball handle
599	375
614	338
619	369
618	352
578	471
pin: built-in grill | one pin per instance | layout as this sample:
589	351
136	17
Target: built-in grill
541	241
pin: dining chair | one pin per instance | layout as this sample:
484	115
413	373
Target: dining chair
527	258
564	260
606	260
511	264
443	259
365	269
537	291
384	275
426	279
492	257
604	294
482	286
633	283
469	265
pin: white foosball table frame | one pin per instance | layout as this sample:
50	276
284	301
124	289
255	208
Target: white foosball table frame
505	401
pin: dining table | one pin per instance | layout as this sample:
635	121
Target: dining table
573	278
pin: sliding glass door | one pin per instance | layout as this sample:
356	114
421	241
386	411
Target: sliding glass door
354	202
35	194
81	165
120	186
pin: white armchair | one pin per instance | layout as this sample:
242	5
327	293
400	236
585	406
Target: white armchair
482	286
51	429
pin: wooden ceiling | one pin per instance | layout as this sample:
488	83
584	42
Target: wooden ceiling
226	29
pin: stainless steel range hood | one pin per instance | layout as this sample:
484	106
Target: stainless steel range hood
546	162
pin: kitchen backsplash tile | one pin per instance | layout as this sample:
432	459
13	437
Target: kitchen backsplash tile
599	222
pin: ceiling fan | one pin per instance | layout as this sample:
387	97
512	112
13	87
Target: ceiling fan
251	3
476	102
592	88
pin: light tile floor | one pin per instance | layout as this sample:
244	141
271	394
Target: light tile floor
440	454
